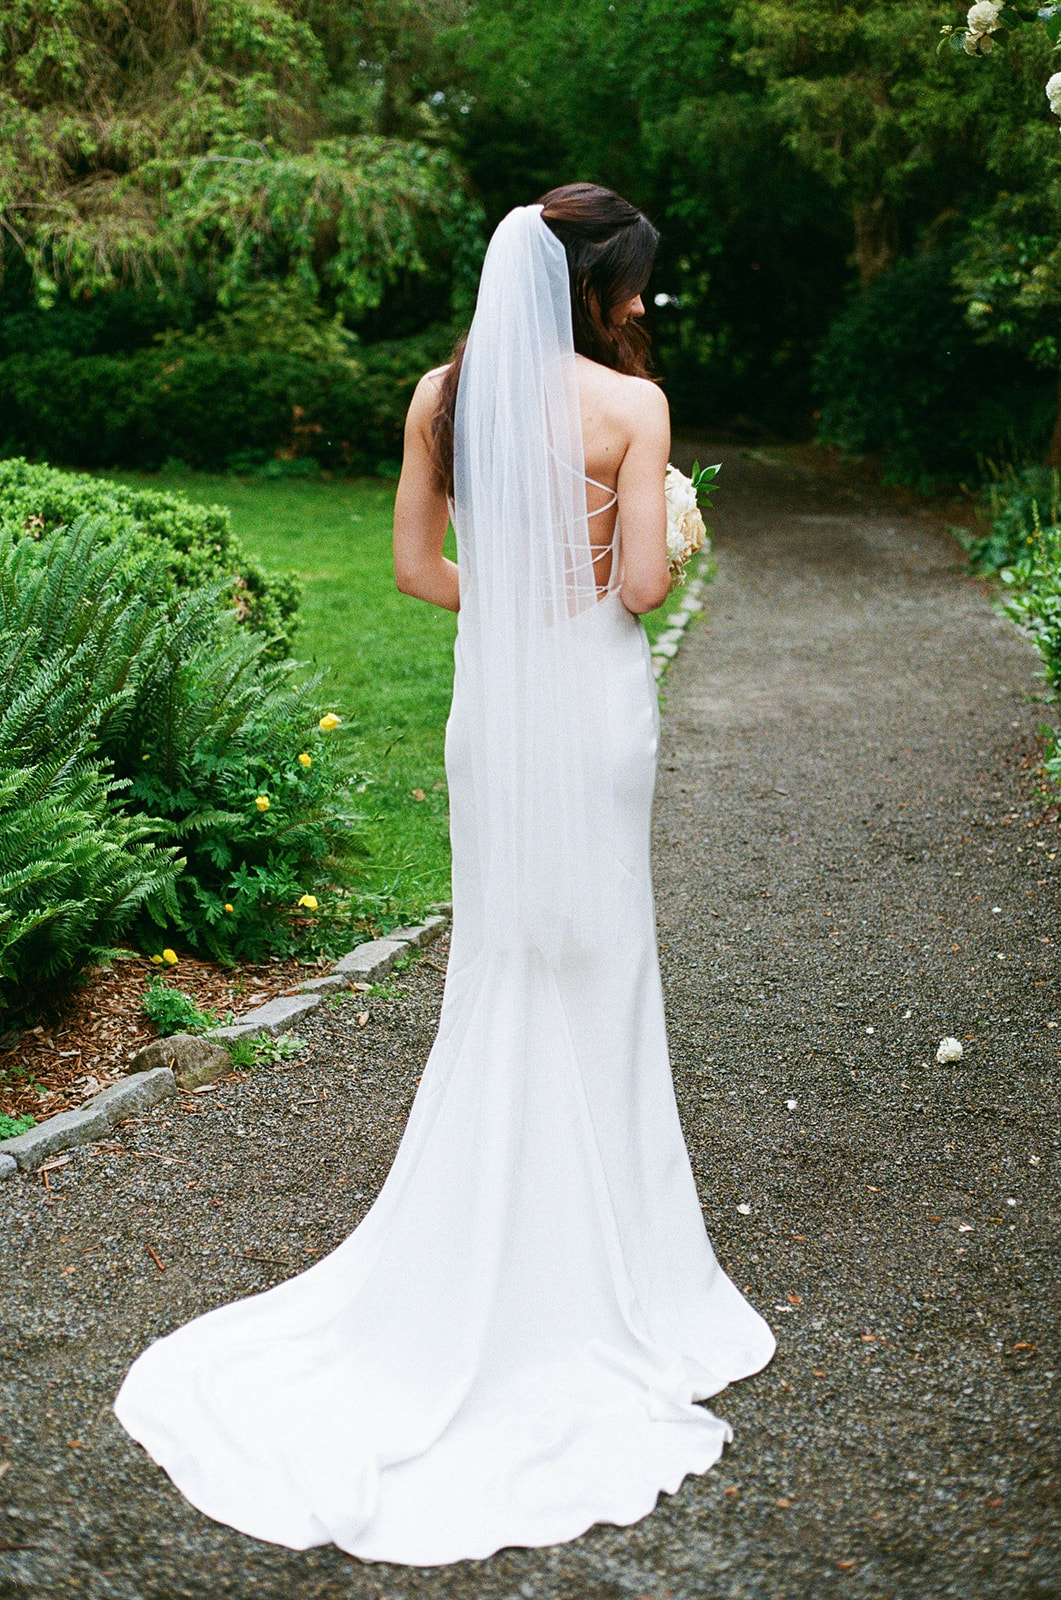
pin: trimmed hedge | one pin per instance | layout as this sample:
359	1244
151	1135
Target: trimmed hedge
214	408
193	544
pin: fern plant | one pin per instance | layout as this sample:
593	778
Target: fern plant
188	727
74	870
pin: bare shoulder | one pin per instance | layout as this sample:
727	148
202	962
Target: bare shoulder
646	401
425	397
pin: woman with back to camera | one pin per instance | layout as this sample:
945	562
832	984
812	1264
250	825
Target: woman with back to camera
509	1347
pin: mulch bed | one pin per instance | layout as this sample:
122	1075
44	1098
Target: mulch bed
84	1039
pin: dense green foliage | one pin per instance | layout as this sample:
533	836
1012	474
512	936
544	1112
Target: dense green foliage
1015	507
146	142
1035	582
935	418
130	718
11	1127
389	660
1022	545
189	545
234	233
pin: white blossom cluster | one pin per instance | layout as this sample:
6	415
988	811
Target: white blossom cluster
984	19
981	22
1053	93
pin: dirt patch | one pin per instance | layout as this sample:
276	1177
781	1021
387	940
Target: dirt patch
84	1039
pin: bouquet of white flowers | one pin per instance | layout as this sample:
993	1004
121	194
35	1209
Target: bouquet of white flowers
686	533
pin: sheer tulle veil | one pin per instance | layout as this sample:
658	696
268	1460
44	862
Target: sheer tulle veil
527	586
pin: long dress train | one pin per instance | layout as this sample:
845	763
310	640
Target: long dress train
507	1349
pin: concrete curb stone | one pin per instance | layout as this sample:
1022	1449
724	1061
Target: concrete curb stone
94	1120
141	1090
276	1016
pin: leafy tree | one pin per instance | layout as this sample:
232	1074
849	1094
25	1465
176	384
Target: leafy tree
905	137
141	142
1010	271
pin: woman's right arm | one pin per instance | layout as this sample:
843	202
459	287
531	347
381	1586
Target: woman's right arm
421	512
642	506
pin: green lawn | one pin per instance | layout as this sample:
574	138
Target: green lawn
389	657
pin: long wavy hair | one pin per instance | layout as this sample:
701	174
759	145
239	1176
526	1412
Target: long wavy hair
610	248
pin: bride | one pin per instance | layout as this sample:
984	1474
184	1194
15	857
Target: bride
510	1346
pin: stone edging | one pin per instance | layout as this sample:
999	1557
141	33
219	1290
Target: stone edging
139	1091
667	645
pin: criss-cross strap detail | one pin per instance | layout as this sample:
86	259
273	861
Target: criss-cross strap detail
614	493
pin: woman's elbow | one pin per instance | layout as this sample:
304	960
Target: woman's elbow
645	594
405	576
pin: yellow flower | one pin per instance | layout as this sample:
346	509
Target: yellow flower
169	957
145	758
305	760
228	907
309	901
262	802
156	958
329	723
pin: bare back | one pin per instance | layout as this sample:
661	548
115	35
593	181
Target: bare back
626	441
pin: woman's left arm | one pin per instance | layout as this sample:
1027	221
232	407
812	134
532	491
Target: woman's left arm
421	512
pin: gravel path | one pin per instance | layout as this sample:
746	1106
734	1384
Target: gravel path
848	868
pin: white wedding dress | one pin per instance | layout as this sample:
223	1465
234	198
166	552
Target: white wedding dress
510	1346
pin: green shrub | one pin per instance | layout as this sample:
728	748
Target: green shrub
1017	506
190	544
900	372
173	1011
188	725
11	1127
1033	575
214	404
1035	602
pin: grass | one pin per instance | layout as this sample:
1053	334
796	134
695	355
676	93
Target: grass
389	657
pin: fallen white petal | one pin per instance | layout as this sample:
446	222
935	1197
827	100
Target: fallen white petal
745	1210
949	1050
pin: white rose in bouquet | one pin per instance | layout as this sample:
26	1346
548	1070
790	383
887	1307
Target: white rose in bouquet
686	532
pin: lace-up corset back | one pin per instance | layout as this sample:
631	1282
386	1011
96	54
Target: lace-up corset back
605	553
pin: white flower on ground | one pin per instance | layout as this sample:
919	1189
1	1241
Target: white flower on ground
1053	93
949	1050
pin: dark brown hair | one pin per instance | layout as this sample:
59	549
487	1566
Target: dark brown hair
610	248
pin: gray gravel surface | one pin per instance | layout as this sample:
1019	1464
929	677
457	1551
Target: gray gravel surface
841	811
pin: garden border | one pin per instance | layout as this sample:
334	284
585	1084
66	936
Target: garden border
668	643
139	1091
